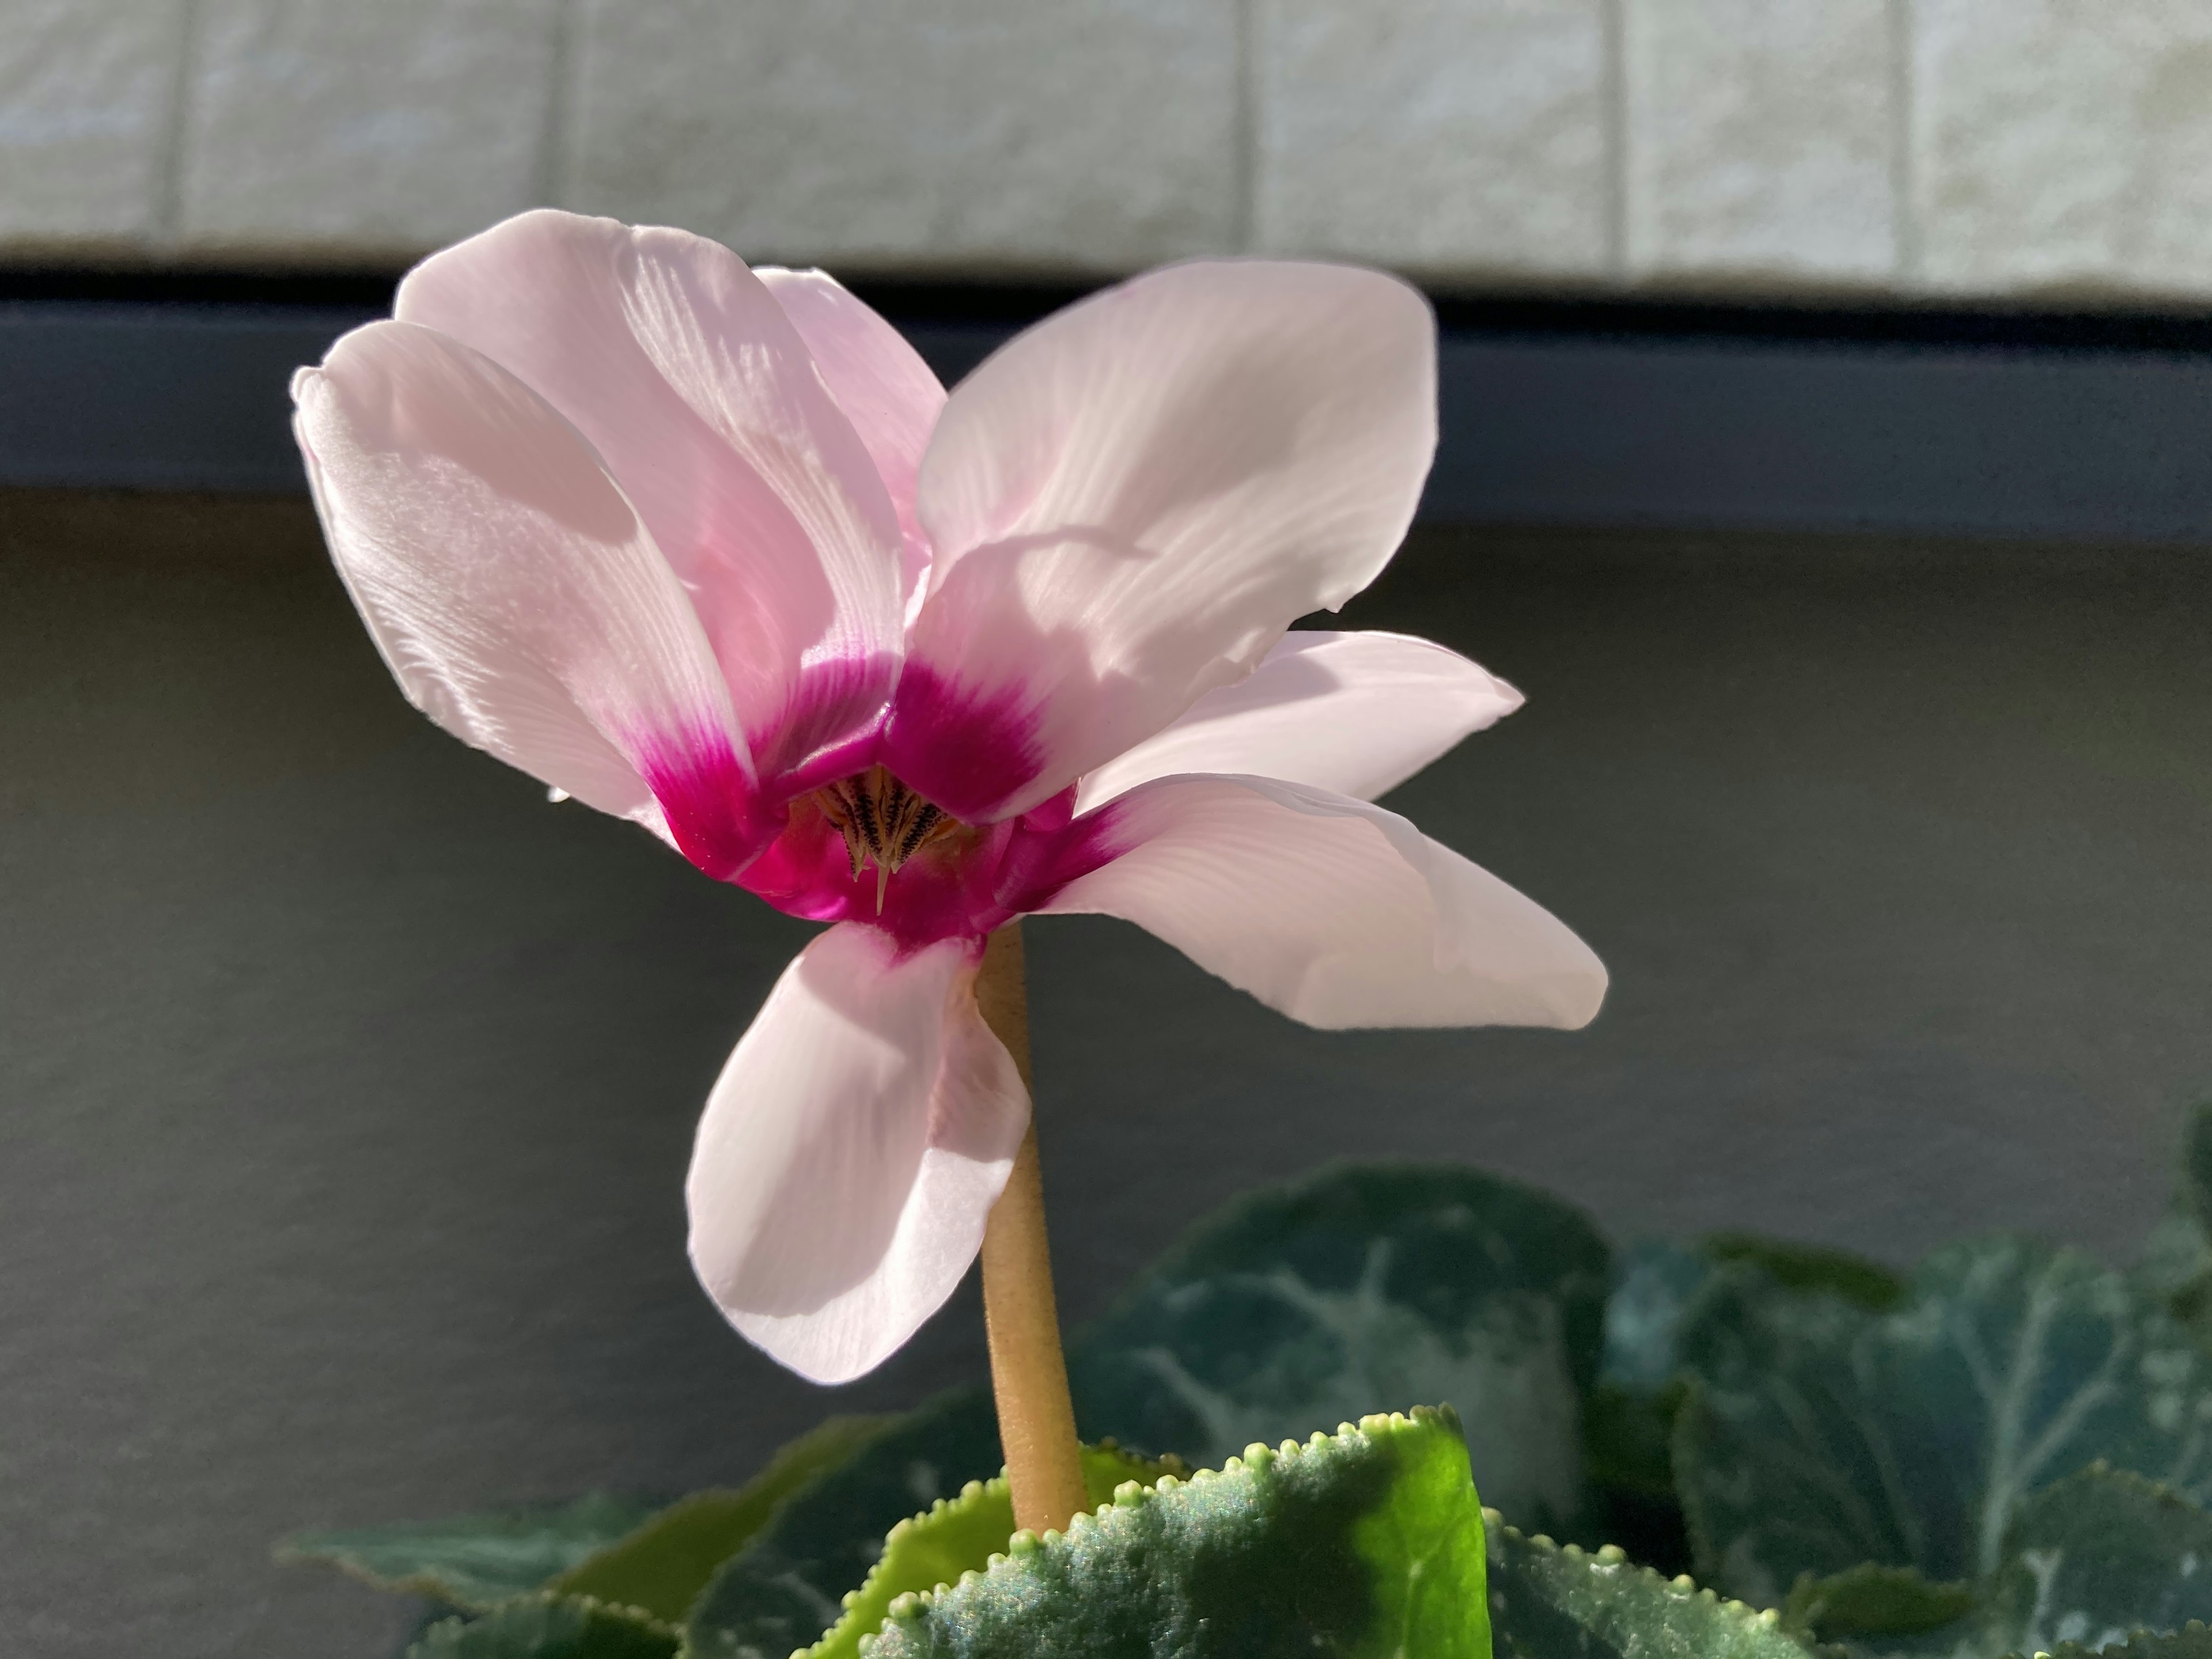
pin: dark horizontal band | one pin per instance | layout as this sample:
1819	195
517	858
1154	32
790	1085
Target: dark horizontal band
1678	417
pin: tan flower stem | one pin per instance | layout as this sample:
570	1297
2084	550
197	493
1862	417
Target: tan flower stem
1029	1372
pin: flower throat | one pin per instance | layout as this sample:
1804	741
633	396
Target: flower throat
884	822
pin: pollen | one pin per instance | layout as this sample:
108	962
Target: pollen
884	822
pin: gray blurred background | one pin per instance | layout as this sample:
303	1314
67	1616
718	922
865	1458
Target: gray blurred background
1827	453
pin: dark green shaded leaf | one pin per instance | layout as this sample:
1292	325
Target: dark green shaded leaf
1366	1544
1553	1602
664	1565
549	1627
928	1552
2096	1557
1808	1269
787	1587
1628	1419
2193	1641
1364	1288
1819	1436
1653	1286
473	1561
2177	1264
1872	1600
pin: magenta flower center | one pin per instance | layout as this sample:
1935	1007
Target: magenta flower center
884	822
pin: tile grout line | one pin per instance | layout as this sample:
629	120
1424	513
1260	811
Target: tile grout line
1905	218
169	182
1613	77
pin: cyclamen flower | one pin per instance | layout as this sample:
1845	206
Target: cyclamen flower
710	549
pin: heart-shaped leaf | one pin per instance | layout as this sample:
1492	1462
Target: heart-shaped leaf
1629	1417
2098	1555
1364	1288
1819	1436
1365	1543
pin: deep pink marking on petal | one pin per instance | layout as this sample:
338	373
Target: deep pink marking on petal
968	751
1051	850
714	809
945	892
831	718
856	753
962	885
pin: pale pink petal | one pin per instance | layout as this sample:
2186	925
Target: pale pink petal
512	588
1131	501
1332	911
891	397
851	1152
1357	714
683	370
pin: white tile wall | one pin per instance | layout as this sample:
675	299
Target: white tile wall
2063	145
331	127
1458	137
87	111
1087	133
1762	139
2053	149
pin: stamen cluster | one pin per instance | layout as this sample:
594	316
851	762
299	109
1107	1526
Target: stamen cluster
884	822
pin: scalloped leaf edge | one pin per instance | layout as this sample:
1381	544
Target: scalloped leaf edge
842	1638
912	1605
1681	1588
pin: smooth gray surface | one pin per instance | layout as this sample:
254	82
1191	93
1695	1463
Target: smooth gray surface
348	1085
1568	430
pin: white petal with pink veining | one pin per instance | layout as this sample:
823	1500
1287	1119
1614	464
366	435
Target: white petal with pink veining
891	397
1357	714
851	1152
685	373
1131	500
511	587
1332	911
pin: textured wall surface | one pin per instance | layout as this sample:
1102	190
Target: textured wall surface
2056	150
346	1085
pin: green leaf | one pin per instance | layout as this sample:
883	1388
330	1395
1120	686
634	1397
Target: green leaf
962	1535
1628	1420
2099	1555
549	1627
1808	1269
1363	1288
664	1565
1873	1600
2193	1641
474	1560
1653	1286
786	1587
2177	1264
1819	1436
1553	1602
1368	1543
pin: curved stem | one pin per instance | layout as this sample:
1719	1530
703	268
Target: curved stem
1029	1373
